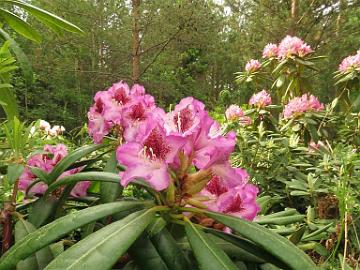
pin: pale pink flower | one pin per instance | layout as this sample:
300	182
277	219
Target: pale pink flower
261	99
44	125
252	65
234	112
352	62
300	105
293	46
245	121
270	50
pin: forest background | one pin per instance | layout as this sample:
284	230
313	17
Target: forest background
175	48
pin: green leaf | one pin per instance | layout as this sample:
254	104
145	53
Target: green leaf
14	171
169	251
67	161
280	220
110	191
19	25
60	227
49	19
249	247
233	251
317	232
146	256
39	173
112	240
156	226
208	255
42	210
11	108
21	57
41	258
297	235
84	176
276	245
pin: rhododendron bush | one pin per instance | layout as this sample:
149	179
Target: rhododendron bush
266	184
167	177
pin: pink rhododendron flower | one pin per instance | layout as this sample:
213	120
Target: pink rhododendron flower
352	62
270	50
252	65
299	105
119	109
245	121
186	118
293	46
150	158
261	99
238	200
46	162
234	112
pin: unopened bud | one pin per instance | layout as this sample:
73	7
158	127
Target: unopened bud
195	182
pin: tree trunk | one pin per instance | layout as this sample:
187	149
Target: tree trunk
294	17
339	20
135	41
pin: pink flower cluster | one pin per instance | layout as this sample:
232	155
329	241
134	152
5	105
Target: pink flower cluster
352	62
261	99
270	50
185	148
234	112
46	162
299	105
252	65
121	110
288	46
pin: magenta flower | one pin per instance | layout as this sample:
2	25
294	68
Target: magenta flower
270	50
150	158
234	112
233	198
240	202
352	62
300	105
261	99
252	65
46	162
293	46
119	110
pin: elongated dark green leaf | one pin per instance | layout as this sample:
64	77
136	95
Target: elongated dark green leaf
41	258
60	227
19	25
45	16
42	210
67	161
233	251
275	244
315	233
39	173
112	241
248	246
280	220
208	255
84	176
21	57
169	251
146	256
110	191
